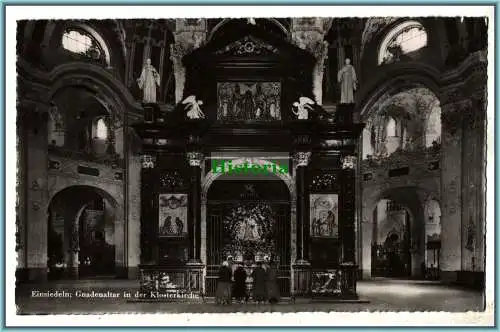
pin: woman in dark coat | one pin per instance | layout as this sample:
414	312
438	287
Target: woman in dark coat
259	276
273	292
239	286
223	292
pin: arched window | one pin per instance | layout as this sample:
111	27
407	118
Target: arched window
373	137
87	42
101	129
433	128
391	129
407	37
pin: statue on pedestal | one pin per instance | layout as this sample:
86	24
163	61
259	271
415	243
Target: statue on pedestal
348	81
148	81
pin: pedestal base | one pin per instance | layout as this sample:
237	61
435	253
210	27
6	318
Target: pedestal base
151	112
172	282
334	283
344	114
194	271
302	279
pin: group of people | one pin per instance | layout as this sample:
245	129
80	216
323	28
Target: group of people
234	284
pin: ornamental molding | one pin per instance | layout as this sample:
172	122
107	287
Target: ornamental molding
194	158
248	46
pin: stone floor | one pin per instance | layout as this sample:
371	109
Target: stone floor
377	295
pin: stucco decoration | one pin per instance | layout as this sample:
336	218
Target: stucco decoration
413	107
416	101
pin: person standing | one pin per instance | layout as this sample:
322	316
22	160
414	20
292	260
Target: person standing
259	277
239	286
223	292
273	292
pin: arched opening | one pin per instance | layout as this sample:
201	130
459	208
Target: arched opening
432	238
56	126
391	128
101	129
394	134
395	211
276	27
405	38
81	236
391	240
249	221
405	120
86	129
433	127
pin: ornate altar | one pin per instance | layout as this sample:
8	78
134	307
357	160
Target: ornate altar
192	219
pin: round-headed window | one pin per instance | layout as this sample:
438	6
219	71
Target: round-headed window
405	38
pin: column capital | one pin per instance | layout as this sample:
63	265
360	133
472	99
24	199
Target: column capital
349	162
302	158
194	158
452	114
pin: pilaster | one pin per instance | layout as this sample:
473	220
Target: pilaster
34	116
195	159
451	183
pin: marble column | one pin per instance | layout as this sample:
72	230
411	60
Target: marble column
134	215
301	160
195	266
195	160
302	266
451	184
346	222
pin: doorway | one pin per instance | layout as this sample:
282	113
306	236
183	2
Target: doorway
81	234
391	245
248	221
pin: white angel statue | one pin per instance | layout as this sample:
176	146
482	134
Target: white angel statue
193	106
304	105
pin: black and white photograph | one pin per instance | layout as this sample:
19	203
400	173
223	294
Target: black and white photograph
385	123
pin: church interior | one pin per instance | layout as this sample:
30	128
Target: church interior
380	124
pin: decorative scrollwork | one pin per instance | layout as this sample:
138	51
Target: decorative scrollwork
246	46
171	180
324	182
301	158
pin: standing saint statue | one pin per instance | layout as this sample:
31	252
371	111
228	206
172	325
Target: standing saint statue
148	81
348	81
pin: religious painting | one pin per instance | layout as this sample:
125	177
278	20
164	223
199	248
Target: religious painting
326	283
324	214
249	232
172	216
249	101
